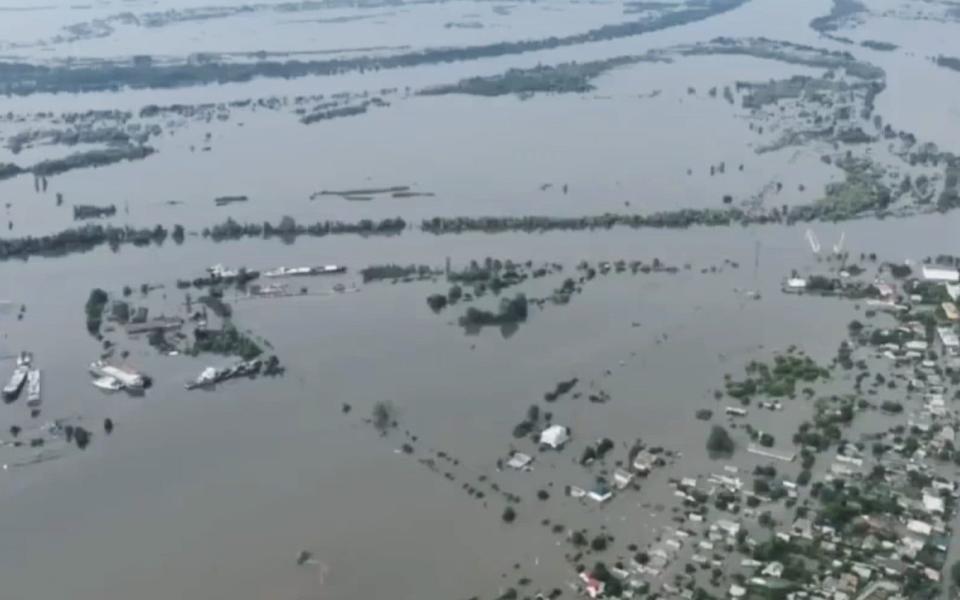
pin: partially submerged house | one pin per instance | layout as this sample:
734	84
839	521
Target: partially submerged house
554	437
940	274
520	461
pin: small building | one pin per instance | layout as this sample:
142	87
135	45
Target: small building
593	586
933	504
795	285
862	571
644	462
848	584
919	527
737	591
600	493
880	590
916	345
774	569
731	528
940	274
803	528
950	310
953	290
892	567
554	436
948	337
622	478
885	290
520	461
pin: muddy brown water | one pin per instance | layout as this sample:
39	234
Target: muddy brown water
212	494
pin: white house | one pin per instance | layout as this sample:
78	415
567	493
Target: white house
940	274
555	436
933	504
948	338
519	461
622	478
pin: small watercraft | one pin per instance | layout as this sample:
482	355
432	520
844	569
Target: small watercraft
108	384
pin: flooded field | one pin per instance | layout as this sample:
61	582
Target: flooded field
285	486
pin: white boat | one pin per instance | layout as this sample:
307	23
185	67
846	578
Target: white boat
33	387
288	272
108	384
219	270
13	387
331	269
207	377
128	378
303	271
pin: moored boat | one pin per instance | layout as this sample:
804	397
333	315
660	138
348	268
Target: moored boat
330	269
303	271
13	387
33	387
24	359
108	384
208	377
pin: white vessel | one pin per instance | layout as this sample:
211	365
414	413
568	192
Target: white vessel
303	271
108	384
13	387
288	272
128	378
33	387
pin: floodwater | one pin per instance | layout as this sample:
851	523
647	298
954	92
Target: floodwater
211	495
609	147
122	29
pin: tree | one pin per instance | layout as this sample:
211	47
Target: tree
533	413
287	225
719	442
382	416
766	520
81	437
436	302
120	311
955	573
599	543
455	293
589	455
509	515
94	309
892	406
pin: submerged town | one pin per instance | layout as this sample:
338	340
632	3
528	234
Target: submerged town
465	300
